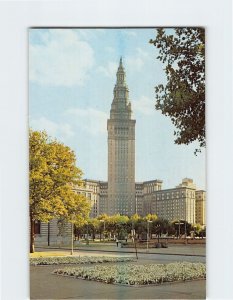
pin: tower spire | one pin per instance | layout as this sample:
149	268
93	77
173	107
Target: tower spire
121	72
120	65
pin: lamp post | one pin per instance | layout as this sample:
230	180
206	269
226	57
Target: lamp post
87	239
158	233
72	238
185	229
104	227
147	244
72	233
179	226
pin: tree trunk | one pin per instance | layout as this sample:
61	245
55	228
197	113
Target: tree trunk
32	235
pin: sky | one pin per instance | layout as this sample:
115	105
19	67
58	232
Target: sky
72	73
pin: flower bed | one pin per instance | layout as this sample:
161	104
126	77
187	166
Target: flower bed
56	260
135	275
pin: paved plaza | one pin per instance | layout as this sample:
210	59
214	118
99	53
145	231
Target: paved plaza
44	285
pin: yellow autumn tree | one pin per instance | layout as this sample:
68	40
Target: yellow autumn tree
52	176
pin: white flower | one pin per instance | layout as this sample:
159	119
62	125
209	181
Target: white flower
132	274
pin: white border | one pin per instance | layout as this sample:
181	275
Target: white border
15	18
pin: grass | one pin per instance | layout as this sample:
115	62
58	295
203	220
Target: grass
48	254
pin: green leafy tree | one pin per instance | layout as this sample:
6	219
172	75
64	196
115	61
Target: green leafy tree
133	220
104	220
93	225
150	217
182	227
77	209
197	228
117	225
182	98
140	227
52	174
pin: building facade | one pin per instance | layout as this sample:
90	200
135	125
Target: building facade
91	190
144	192
177	203
121	150
201	207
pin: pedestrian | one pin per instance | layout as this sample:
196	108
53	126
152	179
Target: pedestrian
117	242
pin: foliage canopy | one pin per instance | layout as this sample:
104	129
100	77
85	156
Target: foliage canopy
183	96
52	176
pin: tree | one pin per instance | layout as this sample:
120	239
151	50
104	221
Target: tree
118	225
183	97
150	217
181	227
134	219
53	173
103	223
93	225
77	209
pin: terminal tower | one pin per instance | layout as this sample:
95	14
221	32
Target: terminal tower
121	150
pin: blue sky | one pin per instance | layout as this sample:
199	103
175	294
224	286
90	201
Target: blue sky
72	74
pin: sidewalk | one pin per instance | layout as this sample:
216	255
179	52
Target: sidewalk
184	250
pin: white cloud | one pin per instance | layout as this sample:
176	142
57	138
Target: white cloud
89	33
110	49
53	129
134	62
109	70
142	53
144	105
61	59
130	33
137	60
91	120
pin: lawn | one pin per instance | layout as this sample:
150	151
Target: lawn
48	254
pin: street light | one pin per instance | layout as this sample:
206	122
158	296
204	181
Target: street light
147	244
104	227
72	233
179	226
72	238
87	239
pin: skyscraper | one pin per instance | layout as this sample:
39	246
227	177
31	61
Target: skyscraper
121	150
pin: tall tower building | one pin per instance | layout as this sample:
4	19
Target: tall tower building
121	150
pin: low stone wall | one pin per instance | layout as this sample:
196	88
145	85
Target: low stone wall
152	243
185	241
